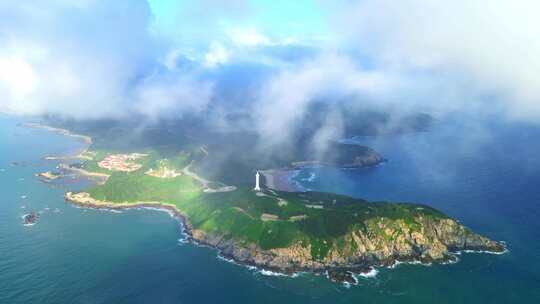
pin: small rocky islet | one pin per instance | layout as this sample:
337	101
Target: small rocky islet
30	218
49	176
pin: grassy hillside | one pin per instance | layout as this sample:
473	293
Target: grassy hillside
269	219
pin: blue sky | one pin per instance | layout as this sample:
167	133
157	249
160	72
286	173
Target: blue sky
278	19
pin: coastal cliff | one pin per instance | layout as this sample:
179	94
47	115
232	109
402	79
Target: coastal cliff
422	235
385	242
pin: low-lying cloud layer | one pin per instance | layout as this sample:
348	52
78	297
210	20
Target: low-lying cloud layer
286	97
487	47
89	59
93	59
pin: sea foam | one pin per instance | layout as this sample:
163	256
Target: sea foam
370	274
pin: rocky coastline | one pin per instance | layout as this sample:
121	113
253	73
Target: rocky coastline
280	179
364	161
371	251
49	176
100	178
437	242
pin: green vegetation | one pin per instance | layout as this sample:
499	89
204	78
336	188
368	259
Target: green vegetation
155	159
137	187
269	219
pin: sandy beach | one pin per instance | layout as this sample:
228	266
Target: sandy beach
86	139
80	154
280	179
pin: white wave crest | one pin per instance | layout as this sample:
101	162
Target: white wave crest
370	274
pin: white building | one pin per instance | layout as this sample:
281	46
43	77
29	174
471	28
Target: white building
257	185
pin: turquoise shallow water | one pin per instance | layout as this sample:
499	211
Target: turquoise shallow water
89	256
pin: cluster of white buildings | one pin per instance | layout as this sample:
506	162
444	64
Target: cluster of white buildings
121	162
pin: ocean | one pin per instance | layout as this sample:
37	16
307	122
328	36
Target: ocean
485	175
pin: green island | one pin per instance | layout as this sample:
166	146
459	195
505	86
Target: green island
275	230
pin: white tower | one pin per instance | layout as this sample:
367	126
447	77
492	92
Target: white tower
257	186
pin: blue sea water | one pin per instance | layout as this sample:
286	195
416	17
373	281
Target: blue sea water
488	177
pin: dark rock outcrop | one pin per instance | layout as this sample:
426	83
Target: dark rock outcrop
385	241
30	218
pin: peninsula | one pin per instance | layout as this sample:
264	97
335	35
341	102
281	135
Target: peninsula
281	231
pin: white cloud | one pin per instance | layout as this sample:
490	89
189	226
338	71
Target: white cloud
286	97
248	37
168	97
53	81
332	129
17	77
216	55
89	59
95	58
494	45
171	58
